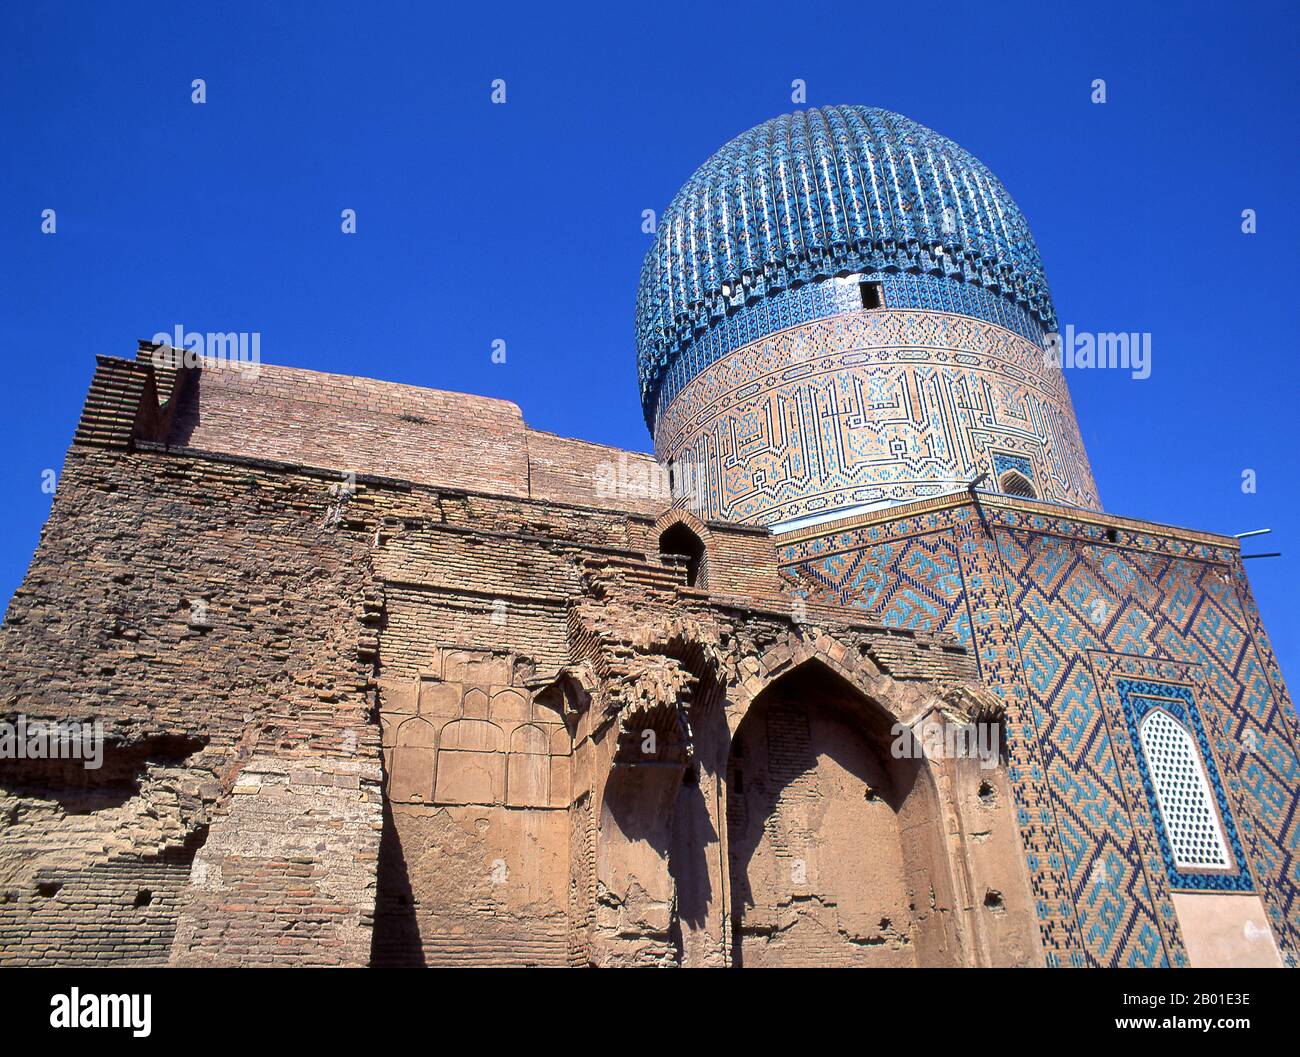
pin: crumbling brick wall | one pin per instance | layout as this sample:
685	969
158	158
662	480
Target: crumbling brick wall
206	613
372	702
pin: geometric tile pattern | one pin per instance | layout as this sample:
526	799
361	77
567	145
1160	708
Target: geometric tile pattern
884	405
1191	815
1003	463
791	308
818	193
1062	613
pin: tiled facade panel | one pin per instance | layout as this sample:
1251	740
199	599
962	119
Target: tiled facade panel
1061	617
1194	822
804	304
871	406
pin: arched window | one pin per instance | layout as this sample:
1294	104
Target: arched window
1014	483
682	548
1183	794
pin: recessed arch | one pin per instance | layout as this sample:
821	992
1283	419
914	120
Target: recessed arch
411	778
836	846
903	702
681	546
1015	483
1183	795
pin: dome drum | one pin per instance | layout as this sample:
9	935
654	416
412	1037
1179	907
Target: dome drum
790	391
819	194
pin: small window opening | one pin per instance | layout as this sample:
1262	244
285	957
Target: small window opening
1112	535
681	548
1183	794
870	293
143	898
1014	483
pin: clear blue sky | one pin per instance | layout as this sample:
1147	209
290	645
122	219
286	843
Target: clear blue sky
523	221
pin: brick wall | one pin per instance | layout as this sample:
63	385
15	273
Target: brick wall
372	719
208	616
425	436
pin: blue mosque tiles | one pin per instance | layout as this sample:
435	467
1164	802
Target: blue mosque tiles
1062	620
791	308
766	372
1139	696
1004	463
820	193
867	407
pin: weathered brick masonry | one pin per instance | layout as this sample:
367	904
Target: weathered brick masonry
378	667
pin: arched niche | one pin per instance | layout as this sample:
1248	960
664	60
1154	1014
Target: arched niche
1017	484
413	751
836	846
680	546
528	768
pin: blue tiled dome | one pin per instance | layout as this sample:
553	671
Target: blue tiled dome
818	193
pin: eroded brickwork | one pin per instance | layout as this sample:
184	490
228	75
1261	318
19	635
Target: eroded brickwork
209	617
356	718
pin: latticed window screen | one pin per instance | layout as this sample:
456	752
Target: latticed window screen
1184	796
1016	484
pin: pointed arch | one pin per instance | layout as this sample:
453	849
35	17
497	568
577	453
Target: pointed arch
682	548
684	542
1015	483
1183	796
903	702
837	852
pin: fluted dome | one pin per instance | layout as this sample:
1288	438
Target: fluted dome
823	192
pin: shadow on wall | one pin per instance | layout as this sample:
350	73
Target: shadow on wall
395	942
688	863
694	836
825	866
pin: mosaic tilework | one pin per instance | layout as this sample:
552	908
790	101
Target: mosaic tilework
1110	672
882	405
859	565
1058	616
819	193
1138	598
1138	697
915	583
832	298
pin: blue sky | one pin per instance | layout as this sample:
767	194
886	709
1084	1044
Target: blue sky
522	222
